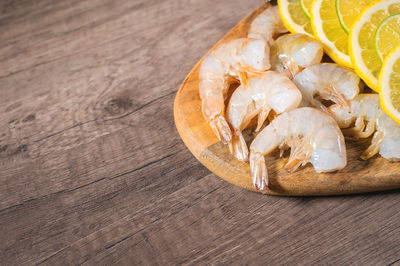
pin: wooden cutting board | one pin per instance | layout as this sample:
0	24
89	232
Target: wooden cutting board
358	176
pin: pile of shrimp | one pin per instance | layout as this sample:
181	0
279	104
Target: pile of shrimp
304	102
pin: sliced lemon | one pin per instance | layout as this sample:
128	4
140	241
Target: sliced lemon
326	27
348	10
362	48
387	36
389	82
293	16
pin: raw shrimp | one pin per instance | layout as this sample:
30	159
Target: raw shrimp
312	135
272	90
328	81
292	52
366	113
267	25
240	58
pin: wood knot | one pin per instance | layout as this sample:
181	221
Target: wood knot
20	149
29	118
3	148
8	151
117	106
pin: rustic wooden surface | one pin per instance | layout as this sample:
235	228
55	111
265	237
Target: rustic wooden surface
358	176
94	172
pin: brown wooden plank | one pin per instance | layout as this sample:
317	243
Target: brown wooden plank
93	170
235	226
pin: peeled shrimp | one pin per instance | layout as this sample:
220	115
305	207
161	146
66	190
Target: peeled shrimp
312	135
329	82
272	90
366	113
240	58
267	25
292	52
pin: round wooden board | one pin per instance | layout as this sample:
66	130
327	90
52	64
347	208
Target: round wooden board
358	176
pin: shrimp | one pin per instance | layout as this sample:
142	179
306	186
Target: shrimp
312	135
292	52
240	58
368	116
267	25
329	82
272	90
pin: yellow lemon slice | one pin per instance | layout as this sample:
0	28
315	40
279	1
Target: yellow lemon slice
362	48
326	27
389	82
293	16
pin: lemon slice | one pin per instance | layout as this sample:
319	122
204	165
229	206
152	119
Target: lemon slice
389	82
362	48
348	10
387	36
306	7
293	16
326	27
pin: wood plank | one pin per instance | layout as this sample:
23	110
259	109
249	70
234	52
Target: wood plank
232	226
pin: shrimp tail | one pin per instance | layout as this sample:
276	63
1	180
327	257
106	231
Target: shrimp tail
259	171
238	147
221	128
374	147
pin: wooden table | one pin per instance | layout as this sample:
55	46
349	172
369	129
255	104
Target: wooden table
93	170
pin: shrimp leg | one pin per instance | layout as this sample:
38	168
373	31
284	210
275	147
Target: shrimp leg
360	130
373	149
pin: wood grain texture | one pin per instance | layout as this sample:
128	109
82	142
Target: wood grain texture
358	176
93	171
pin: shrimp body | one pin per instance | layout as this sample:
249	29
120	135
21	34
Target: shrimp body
292	52
272	90
366	113
267	24
329	82
312	135
238	59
